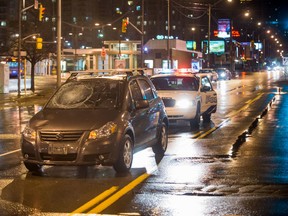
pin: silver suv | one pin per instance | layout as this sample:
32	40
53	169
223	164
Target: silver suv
96	118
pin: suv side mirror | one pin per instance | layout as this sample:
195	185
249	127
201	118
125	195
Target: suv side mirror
141	104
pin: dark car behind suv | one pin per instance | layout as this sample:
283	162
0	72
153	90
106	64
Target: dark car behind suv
224	73
96	118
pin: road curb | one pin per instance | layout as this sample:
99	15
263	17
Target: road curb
242	137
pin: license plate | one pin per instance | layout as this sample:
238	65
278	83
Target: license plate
57	149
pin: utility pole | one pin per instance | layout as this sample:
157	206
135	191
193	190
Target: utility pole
59	44
142	35
209	35
21	4
232	51
168	35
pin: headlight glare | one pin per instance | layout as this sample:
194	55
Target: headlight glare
104	131
29	133
184	103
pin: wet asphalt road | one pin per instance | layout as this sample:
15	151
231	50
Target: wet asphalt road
237	165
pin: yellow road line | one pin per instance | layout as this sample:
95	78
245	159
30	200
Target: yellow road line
105	204
230	115
233	113
207	133
96	200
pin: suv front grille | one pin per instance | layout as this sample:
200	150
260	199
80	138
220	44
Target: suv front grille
68	157
60	136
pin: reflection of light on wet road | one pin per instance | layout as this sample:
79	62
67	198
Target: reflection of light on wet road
145	158
193	173
275	74
183	205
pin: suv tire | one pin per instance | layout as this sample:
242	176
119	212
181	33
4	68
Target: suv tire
162	142
125	157
33	167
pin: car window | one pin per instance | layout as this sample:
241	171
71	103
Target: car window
175	83
148	93
135	91
102	93
204	71
206	83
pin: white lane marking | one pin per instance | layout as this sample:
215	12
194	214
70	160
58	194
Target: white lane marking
8	153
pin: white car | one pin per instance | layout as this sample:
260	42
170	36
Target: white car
186	96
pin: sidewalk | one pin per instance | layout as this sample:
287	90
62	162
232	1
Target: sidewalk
44	88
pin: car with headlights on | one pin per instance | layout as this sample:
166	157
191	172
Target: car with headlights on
210	72
186	96
96	119
223	73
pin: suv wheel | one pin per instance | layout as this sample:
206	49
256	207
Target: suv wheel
194	123
162	142
125	157
33	167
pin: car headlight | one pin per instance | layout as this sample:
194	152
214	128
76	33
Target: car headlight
223	74
29	133
105	131
184	103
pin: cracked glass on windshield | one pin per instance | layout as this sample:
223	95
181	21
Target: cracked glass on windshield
102	93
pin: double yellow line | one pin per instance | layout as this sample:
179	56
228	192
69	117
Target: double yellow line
248	103
96	205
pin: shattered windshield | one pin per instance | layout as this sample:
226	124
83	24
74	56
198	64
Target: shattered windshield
93	94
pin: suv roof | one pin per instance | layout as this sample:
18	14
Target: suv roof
112	73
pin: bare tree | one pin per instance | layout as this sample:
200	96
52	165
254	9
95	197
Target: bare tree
32	27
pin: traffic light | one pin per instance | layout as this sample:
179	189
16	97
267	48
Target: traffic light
41	12
124	25
39	43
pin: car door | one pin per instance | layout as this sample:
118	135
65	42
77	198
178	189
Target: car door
153	111
208	95
143	119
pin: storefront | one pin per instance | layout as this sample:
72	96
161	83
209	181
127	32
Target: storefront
113	54
156	55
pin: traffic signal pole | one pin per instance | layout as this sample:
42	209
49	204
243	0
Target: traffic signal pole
142	39
19	47
35	5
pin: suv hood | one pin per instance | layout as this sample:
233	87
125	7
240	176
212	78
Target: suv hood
56	119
